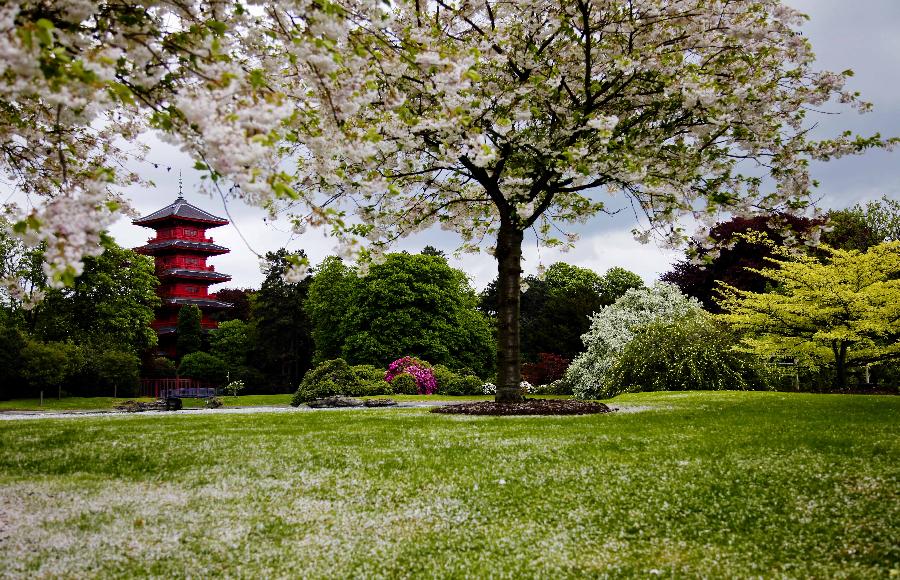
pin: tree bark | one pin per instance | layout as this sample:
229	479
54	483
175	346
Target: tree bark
840	364
509	279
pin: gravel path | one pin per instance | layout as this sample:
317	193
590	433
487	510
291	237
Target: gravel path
27	415
20	415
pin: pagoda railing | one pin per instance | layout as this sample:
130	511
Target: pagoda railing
181	388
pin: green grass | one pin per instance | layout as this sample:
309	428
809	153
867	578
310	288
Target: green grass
65	404
701	484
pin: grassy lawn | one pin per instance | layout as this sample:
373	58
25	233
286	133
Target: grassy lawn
712	484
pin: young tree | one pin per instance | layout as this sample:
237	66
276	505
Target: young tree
843	312
488	118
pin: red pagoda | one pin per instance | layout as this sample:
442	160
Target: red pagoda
181	249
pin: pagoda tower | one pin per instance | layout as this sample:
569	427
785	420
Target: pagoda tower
181	249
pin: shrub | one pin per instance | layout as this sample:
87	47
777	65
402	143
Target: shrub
420	370
445	379
548	368
468	385
203	366
332	377
489	389
369	381
234	387
690	353
404	384
614	326
558	387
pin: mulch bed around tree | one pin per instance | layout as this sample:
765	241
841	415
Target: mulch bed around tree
527	407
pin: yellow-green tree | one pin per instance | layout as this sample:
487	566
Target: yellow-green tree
842	310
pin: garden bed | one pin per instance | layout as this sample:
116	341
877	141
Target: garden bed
526	407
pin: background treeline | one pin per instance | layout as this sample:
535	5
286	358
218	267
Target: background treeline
95	337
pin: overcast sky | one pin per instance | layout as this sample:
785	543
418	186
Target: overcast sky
863	35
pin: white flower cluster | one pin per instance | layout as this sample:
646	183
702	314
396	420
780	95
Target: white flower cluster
615	325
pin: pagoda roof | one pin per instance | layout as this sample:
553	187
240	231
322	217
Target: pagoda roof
178	244
180	209
199	302
187	273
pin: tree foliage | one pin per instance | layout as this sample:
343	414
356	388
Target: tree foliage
203	366
109	305
861	227
843	312
690	353
555	307
239	298
742	252
331	293
189	330
409	305
283	330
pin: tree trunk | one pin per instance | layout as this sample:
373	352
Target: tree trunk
840	365
509	265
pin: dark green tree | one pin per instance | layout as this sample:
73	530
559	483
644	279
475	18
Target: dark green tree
190	331
555	307
862	227
331	293
203	366
11	344
417	305
240	300
235	343
283	330
432	251
110	305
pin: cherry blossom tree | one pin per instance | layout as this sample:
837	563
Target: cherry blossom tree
381	119
495	119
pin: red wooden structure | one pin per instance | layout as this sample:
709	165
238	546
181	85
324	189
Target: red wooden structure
182	388
181	249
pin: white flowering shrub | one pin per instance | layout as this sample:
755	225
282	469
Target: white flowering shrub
693	352
527	387
489	389
613	327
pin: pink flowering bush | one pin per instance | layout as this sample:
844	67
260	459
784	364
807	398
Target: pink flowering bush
420	370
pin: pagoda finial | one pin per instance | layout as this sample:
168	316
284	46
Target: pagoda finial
180	193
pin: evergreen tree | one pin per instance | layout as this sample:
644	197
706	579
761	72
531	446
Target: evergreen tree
283	330
190	332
